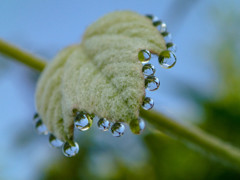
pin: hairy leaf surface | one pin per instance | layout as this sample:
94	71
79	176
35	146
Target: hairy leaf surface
100	76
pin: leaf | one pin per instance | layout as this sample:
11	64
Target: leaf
101	76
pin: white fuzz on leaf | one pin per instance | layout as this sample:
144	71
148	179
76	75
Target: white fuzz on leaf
100	76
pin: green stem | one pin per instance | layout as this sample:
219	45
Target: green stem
189	133
194	135
19	55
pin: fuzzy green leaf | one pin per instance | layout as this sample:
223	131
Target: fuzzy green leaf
101	76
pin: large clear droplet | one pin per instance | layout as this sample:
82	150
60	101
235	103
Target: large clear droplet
103	124
167	59
152	83
70	149
167	37
147	103
171	47
54	142
137	126
117	129
148	69
144	56
83	121
41	128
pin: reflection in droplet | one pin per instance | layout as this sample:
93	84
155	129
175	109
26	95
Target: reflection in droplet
70	149
148	69
167	59
137	126
147	103
171	47
41	128
152	83
144	56
103	124
83	121
54	142
117	129
167	37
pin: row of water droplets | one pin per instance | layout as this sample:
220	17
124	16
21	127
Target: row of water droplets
42	130
83	121
167	60
162	27
69	148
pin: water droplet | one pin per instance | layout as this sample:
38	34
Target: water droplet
144	56
41	128
148	69
152	83
83	121
156	22
137	126
103	124
167	59
70	149
117	129
35	116
162	27
167	37
54	142
150	16
147	103
171	47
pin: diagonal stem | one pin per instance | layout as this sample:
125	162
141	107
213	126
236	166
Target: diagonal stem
193	135
21	56
188	133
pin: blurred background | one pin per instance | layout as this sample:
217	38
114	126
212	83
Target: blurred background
203	89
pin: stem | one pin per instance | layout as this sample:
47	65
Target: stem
19	55
194	135
190	133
